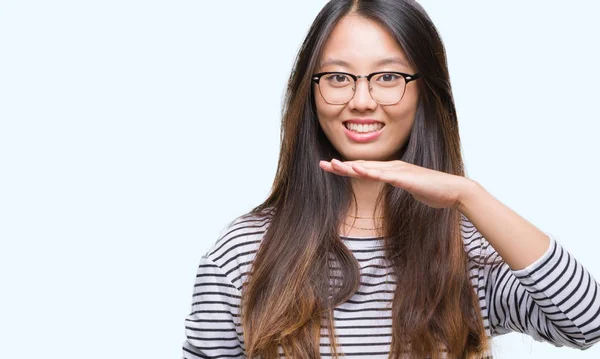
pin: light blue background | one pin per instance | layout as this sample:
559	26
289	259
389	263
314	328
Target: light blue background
132	131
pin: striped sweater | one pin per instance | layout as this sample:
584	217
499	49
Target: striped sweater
554	299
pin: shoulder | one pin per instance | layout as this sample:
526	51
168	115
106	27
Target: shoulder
237	244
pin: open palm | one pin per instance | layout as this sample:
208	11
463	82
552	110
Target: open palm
434	188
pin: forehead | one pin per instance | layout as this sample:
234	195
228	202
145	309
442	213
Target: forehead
361	44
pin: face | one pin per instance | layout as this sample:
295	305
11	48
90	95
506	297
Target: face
361	44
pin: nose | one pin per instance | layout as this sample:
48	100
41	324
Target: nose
362	100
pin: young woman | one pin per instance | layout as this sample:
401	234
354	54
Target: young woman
372	242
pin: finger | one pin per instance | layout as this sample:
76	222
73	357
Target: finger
376	164
327	166
394	178
344	168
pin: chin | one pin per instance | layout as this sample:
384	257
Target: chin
366	156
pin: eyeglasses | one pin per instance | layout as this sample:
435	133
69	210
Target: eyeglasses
385	87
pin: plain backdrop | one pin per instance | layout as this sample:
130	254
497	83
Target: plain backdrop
133	131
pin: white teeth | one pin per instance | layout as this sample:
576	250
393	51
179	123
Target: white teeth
364	128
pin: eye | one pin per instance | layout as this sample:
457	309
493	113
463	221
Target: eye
388	77
338	79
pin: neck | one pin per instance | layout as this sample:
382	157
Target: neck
366	192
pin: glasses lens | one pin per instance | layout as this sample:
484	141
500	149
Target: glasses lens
336	88
387	88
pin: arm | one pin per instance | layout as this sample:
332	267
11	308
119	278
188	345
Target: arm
516	240
533	280
212	327
540	289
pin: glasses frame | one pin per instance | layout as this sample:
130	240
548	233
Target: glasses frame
407	79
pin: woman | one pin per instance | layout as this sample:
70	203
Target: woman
372	242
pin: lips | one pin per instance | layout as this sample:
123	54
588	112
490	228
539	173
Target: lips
363	137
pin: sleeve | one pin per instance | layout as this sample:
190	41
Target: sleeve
212	327
554	299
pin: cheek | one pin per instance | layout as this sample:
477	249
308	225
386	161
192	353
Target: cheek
406	109
325	112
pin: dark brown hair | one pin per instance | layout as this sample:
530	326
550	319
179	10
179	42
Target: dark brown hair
290	291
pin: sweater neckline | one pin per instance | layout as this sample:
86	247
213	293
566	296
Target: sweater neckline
361	238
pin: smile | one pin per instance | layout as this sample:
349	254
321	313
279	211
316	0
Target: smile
363	128
363	133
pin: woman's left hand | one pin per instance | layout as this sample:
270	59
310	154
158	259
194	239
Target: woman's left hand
434	188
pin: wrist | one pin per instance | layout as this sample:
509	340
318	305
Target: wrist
470	190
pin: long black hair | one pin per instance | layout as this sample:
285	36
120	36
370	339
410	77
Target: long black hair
289	289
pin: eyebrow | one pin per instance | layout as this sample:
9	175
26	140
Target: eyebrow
386	61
